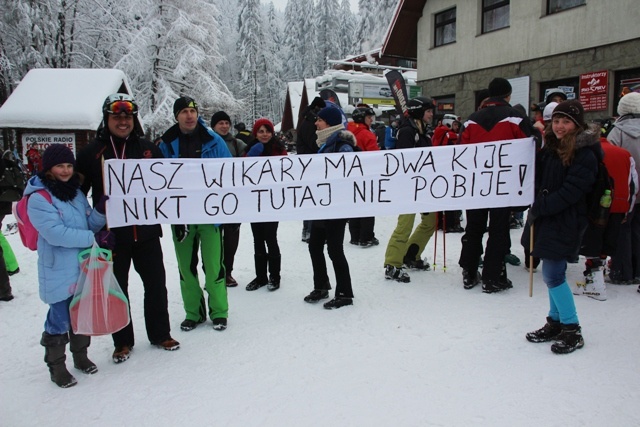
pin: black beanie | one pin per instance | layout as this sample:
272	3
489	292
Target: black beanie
182	103
219	116
572	110
499	88
56	154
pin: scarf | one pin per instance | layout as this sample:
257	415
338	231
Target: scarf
65	191
324	134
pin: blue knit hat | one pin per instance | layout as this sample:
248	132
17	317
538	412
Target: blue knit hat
331	115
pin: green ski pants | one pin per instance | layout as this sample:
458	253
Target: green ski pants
207	238
402	238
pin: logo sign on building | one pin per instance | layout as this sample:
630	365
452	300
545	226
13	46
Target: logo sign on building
378	94
43	140
593	90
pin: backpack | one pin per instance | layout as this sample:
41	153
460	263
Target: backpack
28	233
598	215
12	181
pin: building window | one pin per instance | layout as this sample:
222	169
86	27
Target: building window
495	15
554	6
445	26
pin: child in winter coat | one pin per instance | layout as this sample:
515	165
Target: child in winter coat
65	226
565	172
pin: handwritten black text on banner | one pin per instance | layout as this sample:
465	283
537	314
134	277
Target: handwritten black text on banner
336	185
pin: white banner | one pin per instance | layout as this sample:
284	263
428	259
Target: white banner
319	186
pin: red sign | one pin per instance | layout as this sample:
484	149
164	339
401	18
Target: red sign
593	90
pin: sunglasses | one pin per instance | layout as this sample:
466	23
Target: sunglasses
126	107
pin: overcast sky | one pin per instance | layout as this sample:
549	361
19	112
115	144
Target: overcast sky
281	4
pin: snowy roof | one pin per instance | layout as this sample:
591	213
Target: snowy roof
310	85
49	98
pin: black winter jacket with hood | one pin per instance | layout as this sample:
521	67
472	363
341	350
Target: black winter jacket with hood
559	209
89	163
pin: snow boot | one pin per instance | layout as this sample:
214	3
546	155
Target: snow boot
396	273
569	340
260	262
54	357
548	332
470	278
316	295
512	259
78	345
593	284
412	261
338	302
274	272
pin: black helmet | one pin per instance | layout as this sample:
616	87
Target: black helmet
360	113
418	105
117	103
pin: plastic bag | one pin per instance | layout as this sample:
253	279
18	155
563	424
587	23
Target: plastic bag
98	306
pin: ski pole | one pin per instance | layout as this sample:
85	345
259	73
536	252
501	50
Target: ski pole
444	241
531	260
435	242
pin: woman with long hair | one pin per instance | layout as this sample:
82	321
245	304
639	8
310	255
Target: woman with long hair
566	170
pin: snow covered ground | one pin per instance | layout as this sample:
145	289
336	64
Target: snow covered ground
426	353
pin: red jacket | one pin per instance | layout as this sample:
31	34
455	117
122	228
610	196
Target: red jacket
621	168
364	137
497	121
443	135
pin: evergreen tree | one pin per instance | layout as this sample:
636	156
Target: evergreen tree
327	22
375	17
273	96
174	52
347	28
250	50
293	41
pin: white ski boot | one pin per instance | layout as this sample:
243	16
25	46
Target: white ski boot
592	285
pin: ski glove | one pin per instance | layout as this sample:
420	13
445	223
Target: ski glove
101	206
256	150
105	239
181	232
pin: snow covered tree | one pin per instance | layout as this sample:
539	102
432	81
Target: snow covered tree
174	52
375	18
250	50
348	29
364	37
293	41
327	21
273	96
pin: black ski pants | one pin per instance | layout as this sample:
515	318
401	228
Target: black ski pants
330	232
148	262
498	243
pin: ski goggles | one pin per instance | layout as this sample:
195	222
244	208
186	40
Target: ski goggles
119	107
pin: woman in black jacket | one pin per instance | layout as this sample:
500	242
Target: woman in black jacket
565	172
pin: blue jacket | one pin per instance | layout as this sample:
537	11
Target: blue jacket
65	229
341	141
213	146
390	137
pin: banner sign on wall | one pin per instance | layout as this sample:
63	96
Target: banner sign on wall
42	140
319	186
593	90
